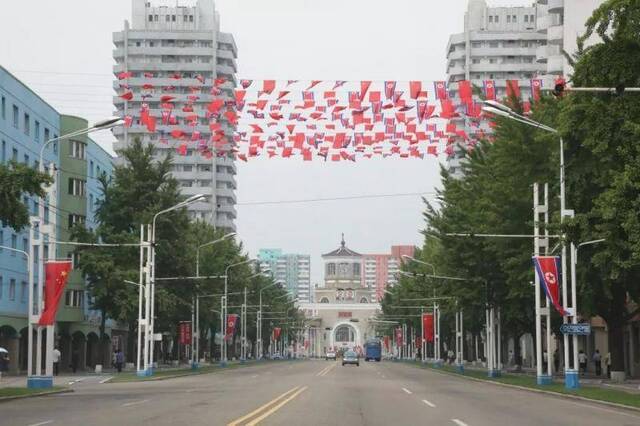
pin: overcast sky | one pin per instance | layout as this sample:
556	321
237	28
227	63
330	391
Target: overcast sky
63	49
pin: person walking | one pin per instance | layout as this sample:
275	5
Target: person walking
597	360
582	360
56	361
119	360
608	362
4	361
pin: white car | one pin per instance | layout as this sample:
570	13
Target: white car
331	355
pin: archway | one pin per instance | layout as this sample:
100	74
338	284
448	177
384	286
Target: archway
9	340
93	350
76	359
345	336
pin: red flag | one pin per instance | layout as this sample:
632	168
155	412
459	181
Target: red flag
427	325
151	124
56	276
268	86
245	83
386	343
185	333
125	75
490	90
536	86
441	89
232	319
464	91
414	89
276	333
549	272
398	336
364	87
127	96
513	89
313	84
389	89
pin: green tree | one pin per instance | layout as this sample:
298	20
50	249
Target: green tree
15	181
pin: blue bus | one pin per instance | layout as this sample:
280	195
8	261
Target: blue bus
373	350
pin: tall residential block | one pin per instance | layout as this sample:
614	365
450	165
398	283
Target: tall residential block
381	270
293	270
164	39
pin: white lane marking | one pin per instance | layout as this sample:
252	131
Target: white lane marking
254	376
191	390
407	391
106	380
46	422
383	376
129	404
430	404
459	422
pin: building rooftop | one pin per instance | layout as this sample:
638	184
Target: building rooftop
342	251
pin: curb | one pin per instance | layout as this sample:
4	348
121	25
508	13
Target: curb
33	395
546	392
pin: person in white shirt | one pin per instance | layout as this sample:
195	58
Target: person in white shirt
582	360
56	360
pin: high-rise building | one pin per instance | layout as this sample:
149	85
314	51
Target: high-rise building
513	43
294	270
163	40
381	270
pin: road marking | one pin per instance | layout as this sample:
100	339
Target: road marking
129	404
277	407
383	376
263	407
254	376
46	422
459	422
407	391
106	380
430	404
326	370
76	381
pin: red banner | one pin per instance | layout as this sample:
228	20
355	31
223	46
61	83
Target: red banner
185	333
276	333
398	336
427	324
232	320
386	343
56	276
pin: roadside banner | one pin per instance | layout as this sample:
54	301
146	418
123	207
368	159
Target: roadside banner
427	325
550	274
232	320
56	276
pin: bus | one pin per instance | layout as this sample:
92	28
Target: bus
373	350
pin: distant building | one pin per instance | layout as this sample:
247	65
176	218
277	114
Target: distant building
294	270
164	40
381	270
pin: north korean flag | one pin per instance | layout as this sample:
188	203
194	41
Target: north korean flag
550	274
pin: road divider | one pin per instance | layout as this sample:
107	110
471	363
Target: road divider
269	408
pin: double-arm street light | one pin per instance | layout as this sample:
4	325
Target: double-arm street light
571	374
39	228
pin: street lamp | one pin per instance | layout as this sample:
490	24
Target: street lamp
571	375
223	361
259	321
149	291
210	243
37	379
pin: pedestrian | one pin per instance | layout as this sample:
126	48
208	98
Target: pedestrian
511	360
4	361
597	360
74	361
608	360
114	356
56	361
582	360
545	362
451	356
556	360
119	360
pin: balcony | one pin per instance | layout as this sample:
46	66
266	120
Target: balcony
555	34
229	209
556	6
225	223
226	192
555	64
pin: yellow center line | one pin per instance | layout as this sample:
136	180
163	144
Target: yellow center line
324	370
276	408
262	407
328	370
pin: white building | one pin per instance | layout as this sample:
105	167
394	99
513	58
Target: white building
165	38
513	43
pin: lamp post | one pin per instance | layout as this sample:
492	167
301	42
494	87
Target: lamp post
223	360
36	378
571	374
195	307
148	291
259	348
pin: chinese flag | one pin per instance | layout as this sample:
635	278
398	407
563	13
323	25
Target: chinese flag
56	276
427	324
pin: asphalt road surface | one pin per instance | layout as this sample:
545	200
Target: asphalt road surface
308	393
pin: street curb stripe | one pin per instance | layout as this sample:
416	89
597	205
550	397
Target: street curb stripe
46	422
430	404
459	422
407	391
129	404
277	407
263	407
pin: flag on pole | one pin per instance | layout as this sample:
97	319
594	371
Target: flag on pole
232	319
56	275
427	325
550	273
398	336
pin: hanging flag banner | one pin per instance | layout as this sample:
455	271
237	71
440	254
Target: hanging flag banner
276	333
56	276
232	320
386	343
550	274
427	325
184	329
399	336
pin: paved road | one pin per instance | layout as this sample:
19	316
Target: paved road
309	393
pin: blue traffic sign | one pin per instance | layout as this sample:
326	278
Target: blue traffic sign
577	329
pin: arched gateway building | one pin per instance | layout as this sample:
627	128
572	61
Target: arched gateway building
340	317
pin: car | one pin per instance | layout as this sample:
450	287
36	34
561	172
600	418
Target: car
350	357
276	355
331	355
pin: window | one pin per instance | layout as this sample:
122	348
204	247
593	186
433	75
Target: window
150	18
12	289
74	298
26	160
23	292
324	300
3	153
190	18
173	18
25	245
91	203
531	18
14	243
27	124
77	149
46	134
526	18
514	18
77	187
497	19
492	61
46	252
16	116
356	269
1	239
76	219
331	268
168	18
490	19
475	61
508	19
364	300
155	18
4	108
75	260
91	168
36	131
14	154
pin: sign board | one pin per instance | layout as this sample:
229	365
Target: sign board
157	337
344	314
577	329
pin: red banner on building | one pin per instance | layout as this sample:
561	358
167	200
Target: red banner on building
232	320
185	333
398	336
56	276
276	333
427	324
